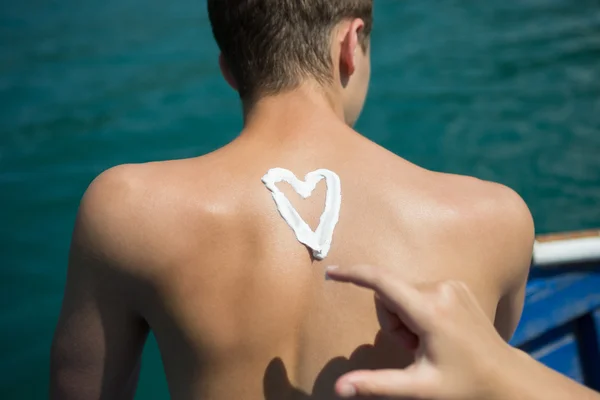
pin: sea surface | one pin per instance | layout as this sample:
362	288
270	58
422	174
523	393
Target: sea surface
505	90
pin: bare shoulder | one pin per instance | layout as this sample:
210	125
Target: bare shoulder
129	214
115	186
489	201
110	211
501	207
490	222
494	246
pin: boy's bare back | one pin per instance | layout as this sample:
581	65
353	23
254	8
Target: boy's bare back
240	309
196	252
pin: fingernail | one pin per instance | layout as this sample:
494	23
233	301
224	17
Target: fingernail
347	390
328	269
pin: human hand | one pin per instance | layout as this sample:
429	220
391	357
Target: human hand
457	349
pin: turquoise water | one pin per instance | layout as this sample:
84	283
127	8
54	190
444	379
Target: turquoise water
504	90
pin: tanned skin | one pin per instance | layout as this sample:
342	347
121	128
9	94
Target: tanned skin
195	251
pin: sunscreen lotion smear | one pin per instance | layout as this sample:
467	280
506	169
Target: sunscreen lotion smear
320	240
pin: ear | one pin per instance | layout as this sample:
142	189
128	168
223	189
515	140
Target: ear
227	72
349	47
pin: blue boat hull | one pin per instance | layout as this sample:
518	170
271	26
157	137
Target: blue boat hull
561	321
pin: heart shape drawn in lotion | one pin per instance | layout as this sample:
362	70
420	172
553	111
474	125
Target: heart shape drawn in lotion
320	240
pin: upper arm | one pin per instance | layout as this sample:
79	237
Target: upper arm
509	310
516	235
100	335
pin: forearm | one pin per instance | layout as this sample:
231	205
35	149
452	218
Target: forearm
527	379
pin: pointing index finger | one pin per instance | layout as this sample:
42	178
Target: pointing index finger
399	297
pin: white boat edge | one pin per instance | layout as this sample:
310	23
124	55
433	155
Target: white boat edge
566	248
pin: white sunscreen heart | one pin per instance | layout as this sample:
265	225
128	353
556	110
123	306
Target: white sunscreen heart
320	240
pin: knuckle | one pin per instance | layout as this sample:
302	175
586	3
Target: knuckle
447	291
446	296
366	388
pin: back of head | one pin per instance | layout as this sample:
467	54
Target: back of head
272	46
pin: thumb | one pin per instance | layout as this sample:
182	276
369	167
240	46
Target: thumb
392	384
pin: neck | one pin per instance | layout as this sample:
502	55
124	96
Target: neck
293	112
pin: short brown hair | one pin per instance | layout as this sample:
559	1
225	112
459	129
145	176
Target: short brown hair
271	45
